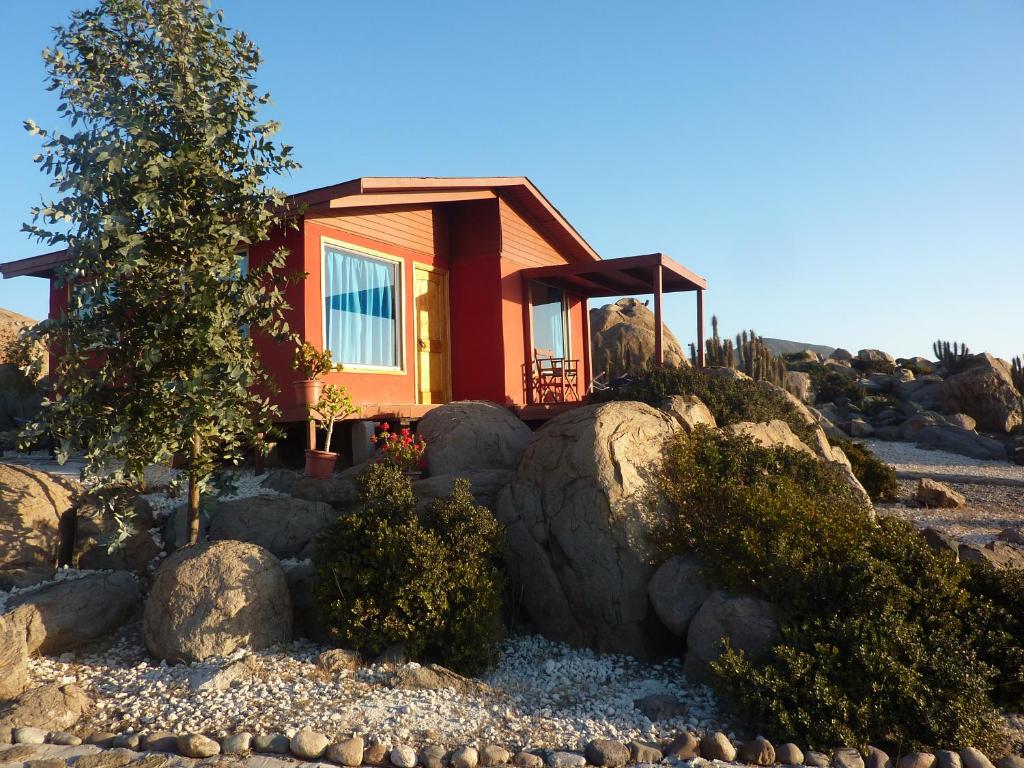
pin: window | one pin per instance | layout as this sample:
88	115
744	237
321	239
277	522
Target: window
548	308
361	316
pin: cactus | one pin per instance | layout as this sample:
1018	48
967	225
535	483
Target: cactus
1017	374
719	352
757	361
953	357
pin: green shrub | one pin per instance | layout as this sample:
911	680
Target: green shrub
877	477
878	642
729	400
829	386
387	574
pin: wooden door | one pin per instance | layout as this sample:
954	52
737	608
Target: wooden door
432	355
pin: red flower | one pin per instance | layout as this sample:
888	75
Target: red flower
384	426
405	432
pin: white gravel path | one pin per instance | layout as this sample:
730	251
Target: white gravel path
908	458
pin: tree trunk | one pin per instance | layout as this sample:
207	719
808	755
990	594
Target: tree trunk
193	490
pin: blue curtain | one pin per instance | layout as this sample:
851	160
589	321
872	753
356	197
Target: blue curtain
548	319
359	308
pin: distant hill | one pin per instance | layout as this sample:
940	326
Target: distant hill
782	346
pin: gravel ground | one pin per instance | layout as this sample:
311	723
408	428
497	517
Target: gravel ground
907	457
543	694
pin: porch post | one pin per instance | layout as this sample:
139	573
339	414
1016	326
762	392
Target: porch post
659	326
700	327
585	308
527	342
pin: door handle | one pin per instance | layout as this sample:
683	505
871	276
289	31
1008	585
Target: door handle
422	344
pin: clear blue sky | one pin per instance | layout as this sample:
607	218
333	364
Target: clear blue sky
843	173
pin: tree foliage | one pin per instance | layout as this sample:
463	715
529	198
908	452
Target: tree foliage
159	181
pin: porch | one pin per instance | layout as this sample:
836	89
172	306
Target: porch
654	273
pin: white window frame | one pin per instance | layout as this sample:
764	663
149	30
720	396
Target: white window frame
566	325
399	265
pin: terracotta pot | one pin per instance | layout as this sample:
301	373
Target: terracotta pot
320	464
307	392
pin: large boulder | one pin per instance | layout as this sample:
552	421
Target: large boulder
689	411
933	430
338	490
472	434
875	356
485	484
580	523
283	525
50	707
212	599
746	621
95	531
800	385
65	614
622	339
32	504
676	591
985	391
925	390
13	660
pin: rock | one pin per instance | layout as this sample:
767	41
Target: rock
847	757
527	760
175	527
433	756
842	368
1011	536
817	759
402	756
861	428
676	591
485	484
926	391
282	525
607	753
771	434
211	599
931	493
63	738
339	660
998	554
562	760
940	542
127	741
62	615
160	741
974	758
94	529
308	744
716	746
101	739
237	744
32	504
685	746
21	578
347	752
206	679
789	754
197	746
747	622
622	339
580	527
932	430
962	420
271	743
434	677
800	385
875	356
840	354
464	757
1010	761
375	754
472	434
984	390
757	751
51	707
339	490
876	758
661	706
111	758
13	660
945	758
916	760
729	374
640	752
689	411
29	735
492	755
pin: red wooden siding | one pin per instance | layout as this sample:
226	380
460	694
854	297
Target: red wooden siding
521	243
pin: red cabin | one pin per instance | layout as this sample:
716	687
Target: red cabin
428	290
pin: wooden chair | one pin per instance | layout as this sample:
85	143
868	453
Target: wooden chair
550	381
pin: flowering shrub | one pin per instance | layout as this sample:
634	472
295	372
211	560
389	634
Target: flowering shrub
311	362
401	447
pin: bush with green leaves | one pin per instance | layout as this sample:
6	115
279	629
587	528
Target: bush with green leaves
428	579
877	477
729	400
882	639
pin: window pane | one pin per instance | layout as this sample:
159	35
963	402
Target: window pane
359	309
548	320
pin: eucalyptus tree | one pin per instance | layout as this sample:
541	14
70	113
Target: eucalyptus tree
160	180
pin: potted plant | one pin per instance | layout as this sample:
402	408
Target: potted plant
402	448
312	364
334	403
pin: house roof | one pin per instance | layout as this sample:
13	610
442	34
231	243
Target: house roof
399	190
626	276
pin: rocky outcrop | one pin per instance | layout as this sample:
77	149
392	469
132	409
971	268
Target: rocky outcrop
933	430
771	434
747	622
212	599
50	707
13	660
622	339
931	493
689	411
282	525
32	504
62	615
469	435
984	391
580	524
676	591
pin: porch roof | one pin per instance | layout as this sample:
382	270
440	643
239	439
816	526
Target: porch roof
626	276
